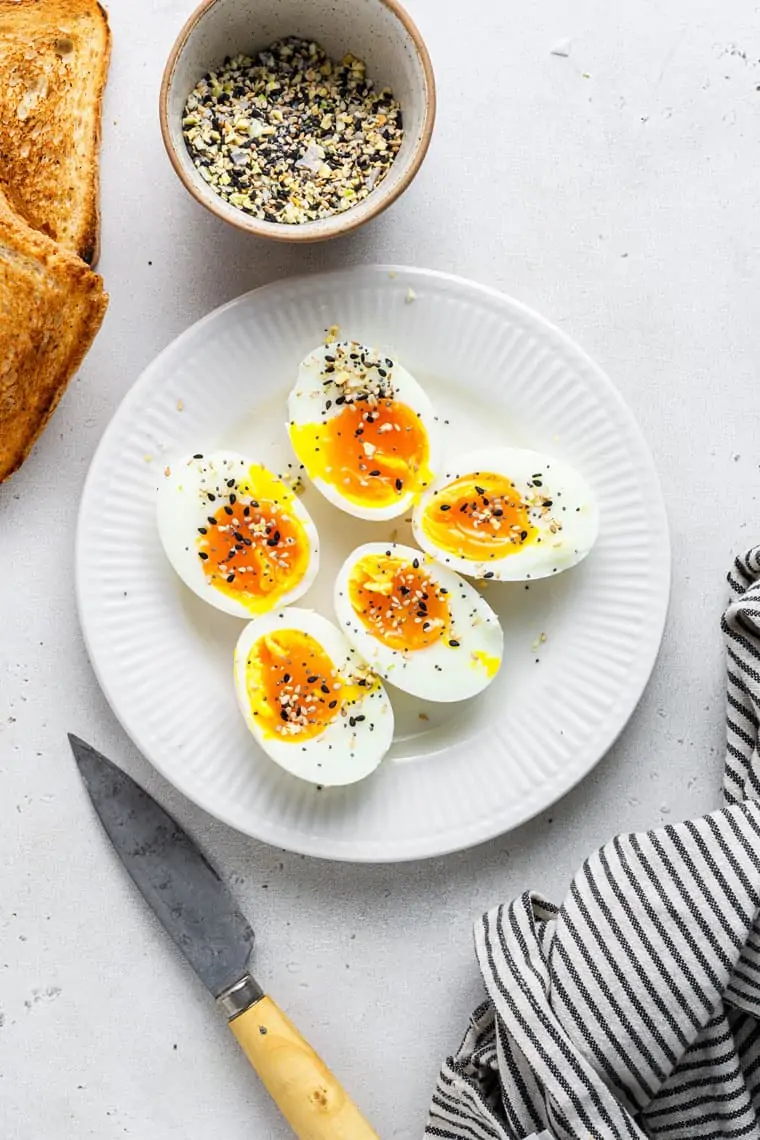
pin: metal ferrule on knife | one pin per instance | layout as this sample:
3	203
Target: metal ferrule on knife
237	998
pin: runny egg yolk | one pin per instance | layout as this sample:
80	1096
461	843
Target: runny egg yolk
487	662
479	516
398	602
251	547
372	452
294	689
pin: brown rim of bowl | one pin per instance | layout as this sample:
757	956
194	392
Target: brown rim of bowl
278	231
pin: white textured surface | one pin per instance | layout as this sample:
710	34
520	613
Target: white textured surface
494	372
623	207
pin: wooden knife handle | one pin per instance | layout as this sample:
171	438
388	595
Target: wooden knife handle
308	1095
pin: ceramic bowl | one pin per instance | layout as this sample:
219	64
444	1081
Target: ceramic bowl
378	31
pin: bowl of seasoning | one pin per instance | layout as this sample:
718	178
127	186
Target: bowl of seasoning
297	120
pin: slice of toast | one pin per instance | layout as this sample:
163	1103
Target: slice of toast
51	307
54	63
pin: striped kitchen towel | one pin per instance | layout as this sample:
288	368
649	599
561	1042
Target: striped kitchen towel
632	1009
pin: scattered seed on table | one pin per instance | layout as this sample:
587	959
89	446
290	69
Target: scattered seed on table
292	136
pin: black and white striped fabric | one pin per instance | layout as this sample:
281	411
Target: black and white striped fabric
632	1009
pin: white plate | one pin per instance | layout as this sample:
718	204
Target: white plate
457	774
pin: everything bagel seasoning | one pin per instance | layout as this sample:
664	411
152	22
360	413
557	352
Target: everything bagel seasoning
292	135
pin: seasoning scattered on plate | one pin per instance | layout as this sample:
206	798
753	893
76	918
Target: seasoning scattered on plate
292	136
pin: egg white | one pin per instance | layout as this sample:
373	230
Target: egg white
342	753
307	404
441	671
574	514
183	507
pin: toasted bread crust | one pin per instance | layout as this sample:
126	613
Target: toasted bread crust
54	57
51	306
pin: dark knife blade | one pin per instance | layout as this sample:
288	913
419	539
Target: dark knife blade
184	890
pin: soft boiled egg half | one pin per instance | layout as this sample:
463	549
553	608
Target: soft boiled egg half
418	624
235	533
364	430
309	698
507	514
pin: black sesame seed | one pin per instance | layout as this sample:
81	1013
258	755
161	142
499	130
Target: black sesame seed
480	490
399	484
488	574
230	577
332	704
454	644
211	496
228	510
198	456
211	521
202	530
374	473
202	554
